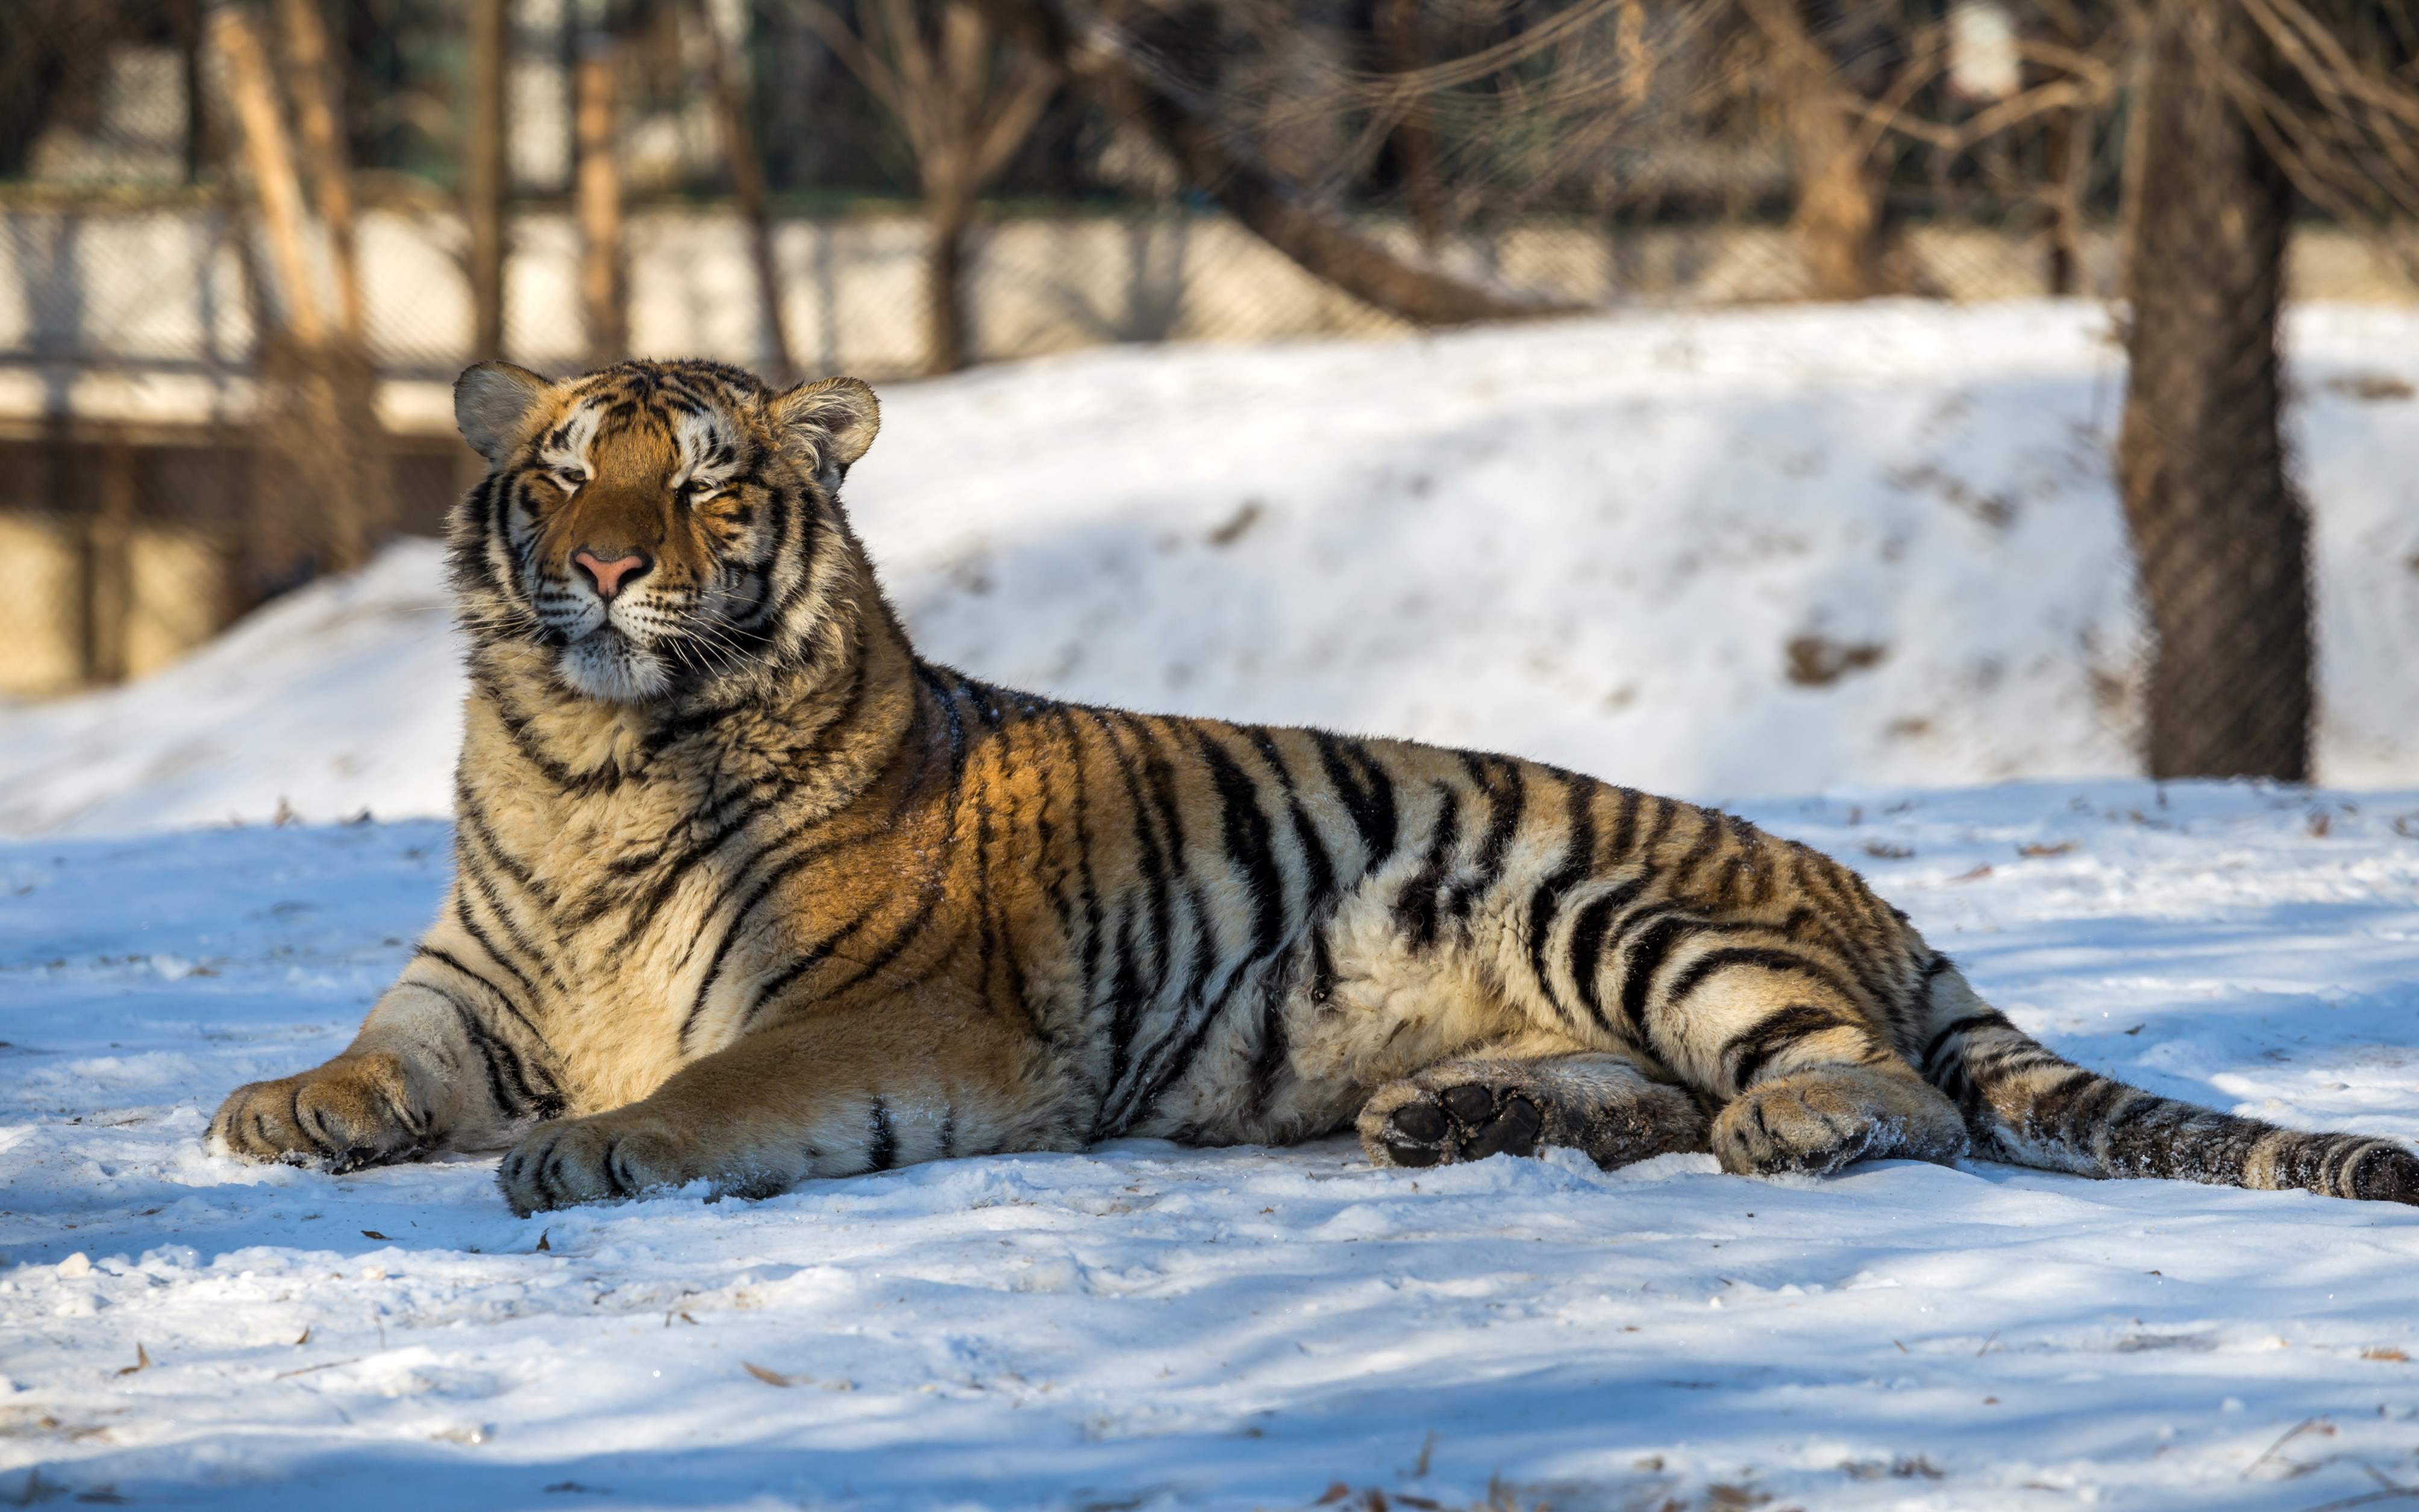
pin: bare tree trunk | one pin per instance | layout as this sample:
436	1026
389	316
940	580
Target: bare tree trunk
2220	541
484	175
1275	211
1399	34
108	565
1838	215
272	160
944	297
186	16
604	288
747	186
2068	149
311	81
342	379
317	411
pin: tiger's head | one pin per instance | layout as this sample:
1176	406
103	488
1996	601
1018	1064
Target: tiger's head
653	523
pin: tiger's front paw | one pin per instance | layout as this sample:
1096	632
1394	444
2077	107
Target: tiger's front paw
352	1112
611	1157
607	1157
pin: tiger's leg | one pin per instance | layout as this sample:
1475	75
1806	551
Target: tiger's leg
838	1096
1823	1118
435	1066
2030	1106
1514	1097
1811	1085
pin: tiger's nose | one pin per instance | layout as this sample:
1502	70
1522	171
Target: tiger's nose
609	576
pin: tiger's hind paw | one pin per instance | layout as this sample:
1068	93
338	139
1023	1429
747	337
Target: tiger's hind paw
1820	1120
1409	1124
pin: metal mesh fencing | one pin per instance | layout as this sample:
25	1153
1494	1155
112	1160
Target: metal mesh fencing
168	443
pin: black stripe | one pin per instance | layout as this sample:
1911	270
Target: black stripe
471	816
1250	844
1368	797
1682	872
1765	957
1645	958
1507	798
521	941
1130	990
881	1140
1322	968
1080	804
2049	1110
1625	825
1173	1066
1275	1041
1266	745
639	911
1753	1046
484	1043
510	1005
1318	870
899	939
1579	862
1987	1019
1667	813
1589	937
954	721
815	956
1416	905
734	929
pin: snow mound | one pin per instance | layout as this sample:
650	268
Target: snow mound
1713	553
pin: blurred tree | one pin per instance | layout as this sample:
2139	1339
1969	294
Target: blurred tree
2240	104
964	97
1838	215
484	173
604	270
2220	541
747	168
316	414
1160	69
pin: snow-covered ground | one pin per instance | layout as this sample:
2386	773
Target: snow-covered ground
1596	543
1155	1328
1724	554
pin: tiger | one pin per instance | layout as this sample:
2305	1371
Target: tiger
747	893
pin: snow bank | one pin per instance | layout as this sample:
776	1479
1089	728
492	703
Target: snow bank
1143	1327
1714	553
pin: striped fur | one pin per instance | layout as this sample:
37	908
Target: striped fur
747	892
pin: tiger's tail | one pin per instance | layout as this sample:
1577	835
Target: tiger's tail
2029	1106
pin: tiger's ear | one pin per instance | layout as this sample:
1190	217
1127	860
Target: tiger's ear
491	402
837	417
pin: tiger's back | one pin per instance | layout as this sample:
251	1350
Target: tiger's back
747	891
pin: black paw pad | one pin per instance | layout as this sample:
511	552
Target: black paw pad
1471	1106
1511	1132
1464	1123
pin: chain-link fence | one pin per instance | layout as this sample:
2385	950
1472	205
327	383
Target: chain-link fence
170	428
